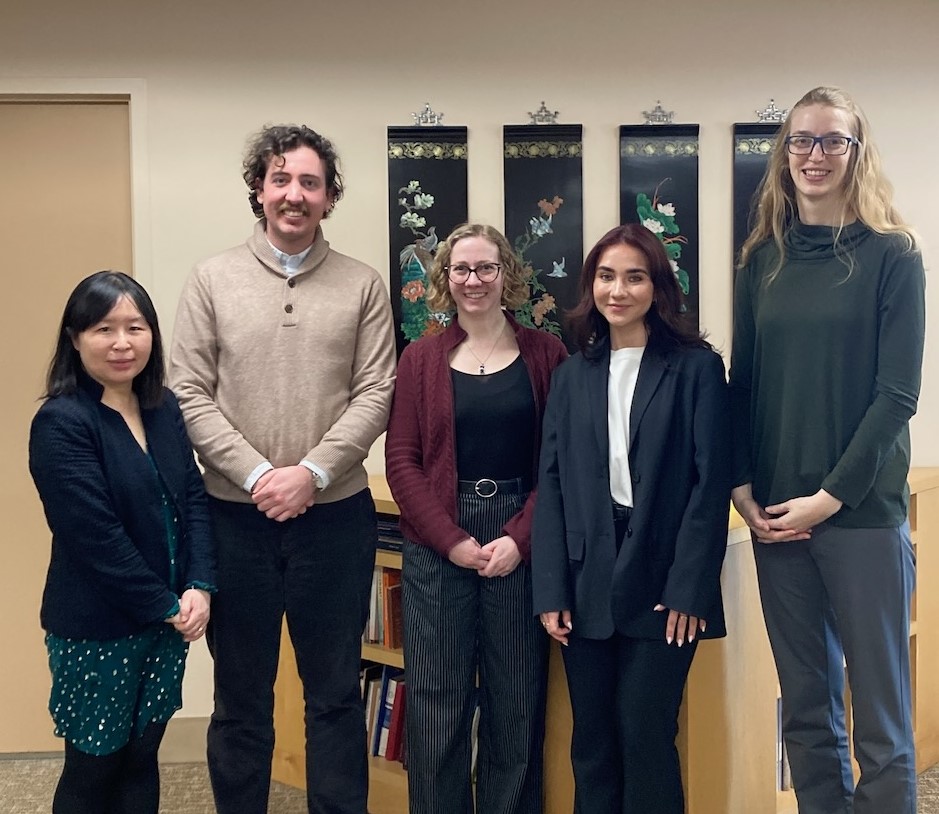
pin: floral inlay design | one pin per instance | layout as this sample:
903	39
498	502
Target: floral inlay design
415	261
417	257
536	312
659	218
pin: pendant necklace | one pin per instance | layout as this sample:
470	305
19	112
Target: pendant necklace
482	362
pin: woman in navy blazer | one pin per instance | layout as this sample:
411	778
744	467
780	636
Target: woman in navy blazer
630	524
132	563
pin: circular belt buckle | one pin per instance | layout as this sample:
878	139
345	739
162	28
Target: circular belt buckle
487	484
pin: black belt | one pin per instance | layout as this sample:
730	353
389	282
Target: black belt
487	487
621	512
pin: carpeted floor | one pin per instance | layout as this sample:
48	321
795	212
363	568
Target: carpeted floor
26	787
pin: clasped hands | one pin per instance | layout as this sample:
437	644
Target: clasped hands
498	558
193	614
790	520
284	492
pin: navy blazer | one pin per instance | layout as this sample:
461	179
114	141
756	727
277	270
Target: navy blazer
679	462
109	573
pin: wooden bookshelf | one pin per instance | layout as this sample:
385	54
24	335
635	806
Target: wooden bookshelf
727	738
376	652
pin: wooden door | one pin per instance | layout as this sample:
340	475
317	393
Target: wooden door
65	212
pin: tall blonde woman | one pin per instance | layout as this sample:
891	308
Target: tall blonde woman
461	458
825	374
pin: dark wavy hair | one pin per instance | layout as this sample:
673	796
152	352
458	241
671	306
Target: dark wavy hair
90	302
666	322
275	140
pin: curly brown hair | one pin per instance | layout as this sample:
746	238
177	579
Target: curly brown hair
514	277
275	140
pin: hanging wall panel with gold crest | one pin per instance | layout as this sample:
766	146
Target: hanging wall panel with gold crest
544	216
659	189
426	200
753	144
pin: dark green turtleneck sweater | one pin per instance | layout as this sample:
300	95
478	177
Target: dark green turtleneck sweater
825	371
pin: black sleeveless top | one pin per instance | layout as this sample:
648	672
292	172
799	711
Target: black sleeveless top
494	417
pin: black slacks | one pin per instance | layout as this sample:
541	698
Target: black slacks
625	697
316	568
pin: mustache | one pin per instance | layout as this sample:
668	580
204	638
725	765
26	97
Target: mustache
284	207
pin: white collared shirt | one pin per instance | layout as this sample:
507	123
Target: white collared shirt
290	263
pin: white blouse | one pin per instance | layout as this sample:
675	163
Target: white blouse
624	371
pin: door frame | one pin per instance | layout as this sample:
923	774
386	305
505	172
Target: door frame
134	93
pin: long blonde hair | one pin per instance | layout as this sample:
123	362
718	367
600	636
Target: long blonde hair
868	195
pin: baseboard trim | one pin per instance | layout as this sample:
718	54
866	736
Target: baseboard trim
184	741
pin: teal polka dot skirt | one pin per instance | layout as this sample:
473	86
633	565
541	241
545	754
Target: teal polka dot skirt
106	692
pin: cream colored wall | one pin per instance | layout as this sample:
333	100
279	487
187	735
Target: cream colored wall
214	71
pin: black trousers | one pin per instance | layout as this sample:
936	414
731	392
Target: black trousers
316	569
625	697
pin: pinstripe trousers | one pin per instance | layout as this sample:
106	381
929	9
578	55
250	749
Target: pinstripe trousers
455	624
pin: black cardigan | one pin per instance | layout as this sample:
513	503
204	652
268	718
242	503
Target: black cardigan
109	573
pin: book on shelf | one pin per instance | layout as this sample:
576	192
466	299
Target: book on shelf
372	632
372	705
396	727
387	542
391	691
369	671
403	756
381	715
474	738
389	534
371	675
385	624
392	614
388	524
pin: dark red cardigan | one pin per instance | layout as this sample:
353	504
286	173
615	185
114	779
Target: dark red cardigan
420	449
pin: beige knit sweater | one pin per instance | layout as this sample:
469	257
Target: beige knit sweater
281	369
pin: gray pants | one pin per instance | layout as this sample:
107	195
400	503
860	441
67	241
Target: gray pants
844	595
455	624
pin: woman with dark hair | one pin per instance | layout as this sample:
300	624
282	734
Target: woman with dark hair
461	459
829	323
630	524
132	563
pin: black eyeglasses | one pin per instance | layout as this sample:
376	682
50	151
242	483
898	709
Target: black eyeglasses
831	145
485	272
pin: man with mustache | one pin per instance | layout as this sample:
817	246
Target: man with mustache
283	362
